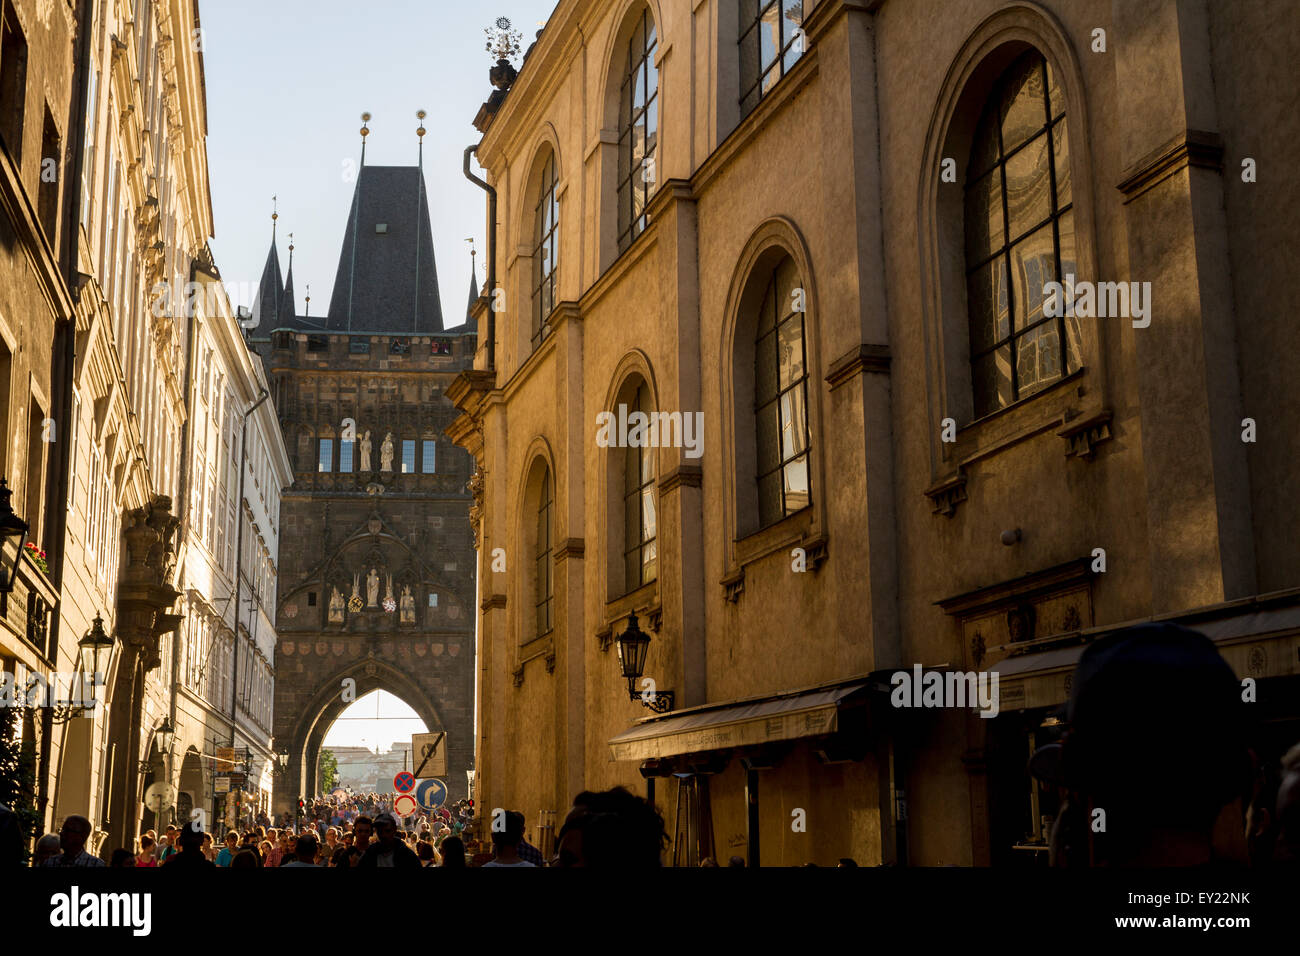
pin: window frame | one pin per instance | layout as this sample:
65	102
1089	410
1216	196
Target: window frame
752	30
545	237
637	61
544	558
634	540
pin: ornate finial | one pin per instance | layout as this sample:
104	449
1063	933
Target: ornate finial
275	214
290	242
308	299
365	131
421	131
503	41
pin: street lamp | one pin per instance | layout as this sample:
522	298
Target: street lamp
13	535
94	651
165	736
633	645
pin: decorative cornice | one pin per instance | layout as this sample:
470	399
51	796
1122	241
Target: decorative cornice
1083	435
569	548
670	191
563	312
948	493
1057	578
864	358
1190	149
688	475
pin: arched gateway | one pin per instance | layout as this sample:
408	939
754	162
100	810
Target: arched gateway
376	557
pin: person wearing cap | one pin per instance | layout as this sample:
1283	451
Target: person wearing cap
387	850
1154	761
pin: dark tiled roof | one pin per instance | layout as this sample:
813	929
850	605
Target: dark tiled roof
387	281
269	304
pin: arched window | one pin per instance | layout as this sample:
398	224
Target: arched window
638	125
1019	236
545	240
781	397
640	521
544	580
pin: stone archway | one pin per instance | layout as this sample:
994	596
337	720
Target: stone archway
315	719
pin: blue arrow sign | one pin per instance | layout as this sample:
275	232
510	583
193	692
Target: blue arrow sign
431	794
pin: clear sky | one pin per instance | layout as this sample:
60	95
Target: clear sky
376	720
287	82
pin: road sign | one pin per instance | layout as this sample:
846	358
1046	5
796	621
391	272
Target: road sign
404	782
429	755
159	796
405	805
431	794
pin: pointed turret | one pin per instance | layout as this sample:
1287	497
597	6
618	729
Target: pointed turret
288	306
471	325
270	293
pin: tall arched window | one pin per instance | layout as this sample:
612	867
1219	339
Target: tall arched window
1019	236
781	397
544	580
545	240
638	125
640	520
771	42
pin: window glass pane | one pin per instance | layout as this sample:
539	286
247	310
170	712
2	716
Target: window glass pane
769	30
750	68
408	456
632	570
631	469
1065	229
1021	109
430	457
770	78
1029	188
1054	92
1038	358
787	280
649	562
765	369
991	378
325	459
794	422
767	311
990	319
984	226
790	350
1033	264
796	485
631	521
984	150
345	456
648	525
769	499
1061	150
768	439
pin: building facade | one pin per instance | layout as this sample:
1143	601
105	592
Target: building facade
224	658
377	564
40	116
824	233
135	226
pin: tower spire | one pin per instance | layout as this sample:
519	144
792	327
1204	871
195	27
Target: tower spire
365	131
275	215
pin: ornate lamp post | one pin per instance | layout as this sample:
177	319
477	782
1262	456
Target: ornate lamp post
633	645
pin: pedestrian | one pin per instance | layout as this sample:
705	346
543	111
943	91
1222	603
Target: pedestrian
146	855
122	858
305	852
505	842
245	859
209	848
275	853
388	850
529	852
361	834
228	851
611	829
453	853
190	852
46	847
72	840
424	850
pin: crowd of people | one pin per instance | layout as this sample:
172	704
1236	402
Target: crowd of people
1160	745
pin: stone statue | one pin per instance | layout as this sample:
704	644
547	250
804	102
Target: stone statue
388	589
365	451
336	607
408	605
386	454
372	588
356	585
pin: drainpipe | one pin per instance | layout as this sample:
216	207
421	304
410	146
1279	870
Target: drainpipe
492	255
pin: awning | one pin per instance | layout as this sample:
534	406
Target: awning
742	724
1259	642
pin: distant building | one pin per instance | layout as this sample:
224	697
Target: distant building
376	574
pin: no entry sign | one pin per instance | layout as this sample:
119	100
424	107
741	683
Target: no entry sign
405	805
404	782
